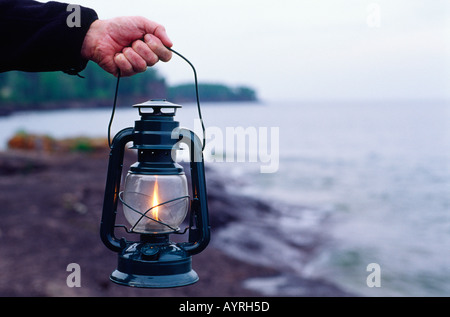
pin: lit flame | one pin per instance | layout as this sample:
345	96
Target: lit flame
155	202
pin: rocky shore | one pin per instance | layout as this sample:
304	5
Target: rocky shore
50	207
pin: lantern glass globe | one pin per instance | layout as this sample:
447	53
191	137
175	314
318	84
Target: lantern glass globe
155	204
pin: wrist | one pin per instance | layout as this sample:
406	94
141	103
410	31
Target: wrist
90	40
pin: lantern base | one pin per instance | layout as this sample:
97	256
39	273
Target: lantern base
154	266
159	281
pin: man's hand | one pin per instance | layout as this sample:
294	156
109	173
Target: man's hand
126	43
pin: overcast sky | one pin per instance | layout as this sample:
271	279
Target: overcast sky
305	49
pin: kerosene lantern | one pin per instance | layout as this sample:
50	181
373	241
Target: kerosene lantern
155	201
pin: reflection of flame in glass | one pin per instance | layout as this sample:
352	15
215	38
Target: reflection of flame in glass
155	202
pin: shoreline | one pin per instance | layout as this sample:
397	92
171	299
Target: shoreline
50	218
8	109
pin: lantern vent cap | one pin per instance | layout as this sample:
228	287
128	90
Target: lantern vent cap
157	107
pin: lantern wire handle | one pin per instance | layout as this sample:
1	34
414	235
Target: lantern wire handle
113	109
196	94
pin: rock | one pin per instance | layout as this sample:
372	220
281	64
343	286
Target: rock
51	211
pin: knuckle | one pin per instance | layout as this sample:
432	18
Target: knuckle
126	52
159	28
141	66
138	65
153	60
167	56
122	63
138	45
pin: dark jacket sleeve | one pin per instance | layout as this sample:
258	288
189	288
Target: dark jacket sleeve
36	37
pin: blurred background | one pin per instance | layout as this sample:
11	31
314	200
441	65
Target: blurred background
359	91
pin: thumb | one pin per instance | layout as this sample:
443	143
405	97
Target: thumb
158	30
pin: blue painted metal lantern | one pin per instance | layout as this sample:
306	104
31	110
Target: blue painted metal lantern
155	201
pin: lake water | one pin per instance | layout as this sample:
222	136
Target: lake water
379	171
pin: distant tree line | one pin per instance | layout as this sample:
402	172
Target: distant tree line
23	88
211	92
50	89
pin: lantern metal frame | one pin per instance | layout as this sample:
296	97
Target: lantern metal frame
154	261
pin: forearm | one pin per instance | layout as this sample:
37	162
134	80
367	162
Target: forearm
35	36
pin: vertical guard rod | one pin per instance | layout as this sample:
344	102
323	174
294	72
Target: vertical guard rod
199	232
113	187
